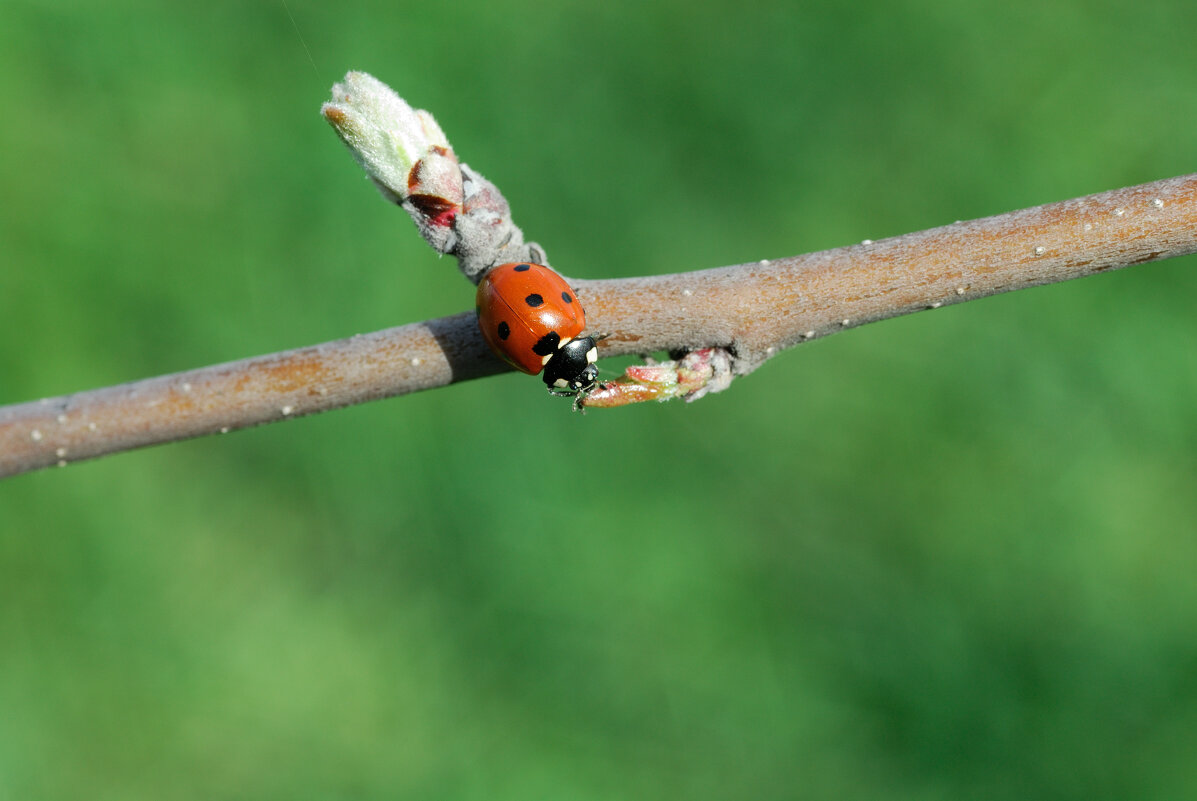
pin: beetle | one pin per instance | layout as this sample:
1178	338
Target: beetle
532	319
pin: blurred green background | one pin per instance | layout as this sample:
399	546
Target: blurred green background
945	556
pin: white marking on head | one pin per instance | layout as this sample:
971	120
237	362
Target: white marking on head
561	383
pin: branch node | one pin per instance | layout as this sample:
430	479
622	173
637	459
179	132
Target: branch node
696	374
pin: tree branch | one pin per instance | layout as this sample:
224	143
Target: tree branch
753	310
758	309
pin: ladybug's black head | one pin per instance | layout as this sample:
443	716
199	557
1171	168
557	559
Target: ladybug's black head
572	369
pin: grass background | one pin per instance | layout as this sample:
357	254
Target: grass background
945	556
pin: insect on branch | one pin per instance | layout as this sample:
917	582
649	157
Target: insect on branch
726	321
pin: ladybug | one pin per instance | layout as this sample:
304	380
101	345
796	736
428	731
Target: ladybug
531	318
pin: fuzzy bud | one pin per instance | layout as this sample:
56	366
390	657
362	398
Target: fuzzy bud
403	150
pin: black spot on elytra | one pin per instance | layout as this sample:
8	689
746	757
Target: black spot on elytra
523	268
534	300
547	344
504	330
565	296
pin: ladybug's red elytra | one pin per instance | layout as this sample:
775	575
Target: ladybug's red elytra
531	318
